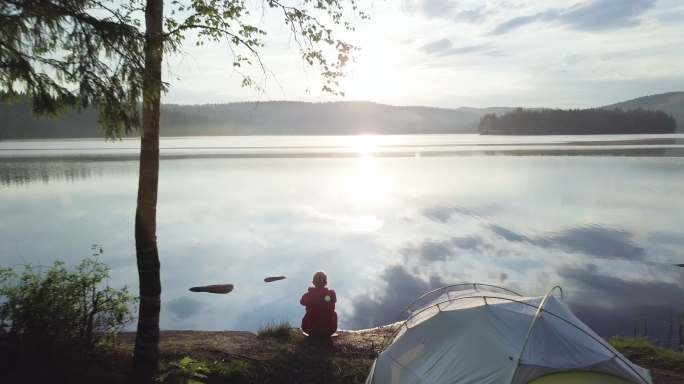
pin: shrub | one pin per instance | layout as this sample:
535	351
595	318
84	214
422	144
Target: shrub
279	331
48	311
188	370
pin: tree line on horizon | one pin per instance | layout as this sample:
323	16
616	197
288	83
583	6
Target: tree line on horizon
577	122
248	118
297	118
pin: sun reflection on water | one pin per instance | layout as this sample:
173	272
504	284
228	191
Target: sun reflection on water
365	145
366	183
362	186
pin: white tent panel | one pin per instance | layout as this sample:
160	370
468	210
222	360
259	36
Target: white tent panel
560	341
467	336
449	350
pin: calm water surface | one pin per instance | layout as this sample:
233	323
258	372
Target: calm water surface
386	217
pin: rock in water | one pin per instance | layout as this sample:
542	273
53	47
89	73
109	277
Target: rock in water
217	288
271	279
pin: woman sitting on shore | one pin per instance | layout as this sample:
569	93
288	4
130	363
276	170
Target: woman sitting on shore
320	319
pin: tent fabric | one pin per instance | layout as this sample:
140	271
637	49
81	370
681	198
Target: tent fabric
474	336
579	377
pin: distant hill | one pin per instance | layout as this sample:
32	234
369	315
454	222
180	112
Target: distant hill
288	118
292	118
263	118
671	103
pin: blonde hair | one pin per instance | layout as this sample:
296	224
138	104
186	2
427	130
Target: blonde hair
320	280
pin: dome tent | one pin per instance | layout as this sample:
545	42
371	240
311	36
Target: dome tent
478	333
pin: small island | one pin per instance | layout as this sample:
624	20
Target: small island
576	122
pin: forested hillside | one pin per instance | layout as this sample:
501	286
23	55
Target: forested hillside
343	118
671	103
250	118
577	122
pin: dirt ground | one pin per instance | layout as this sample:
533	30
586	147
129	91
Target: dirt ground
282	356
346	359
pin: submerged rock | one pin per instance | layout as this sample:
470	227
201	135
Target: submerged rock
217	288
271	279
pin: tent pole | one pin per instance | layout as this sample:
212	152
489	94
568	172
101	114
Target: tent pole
537	315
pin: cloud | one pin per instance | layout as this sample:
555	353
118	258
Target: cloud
444	47
184	307
401	288
594	15
672	238
436	8
442	214
604	243
609	305
471	243
509	235
436	46
431	250
590	282
521	21
452	10
601	242
497	53
428	250
466	49
476	15
614	306
606	14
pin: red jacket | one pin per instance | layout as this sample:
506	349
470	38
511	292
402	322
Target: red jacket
320	319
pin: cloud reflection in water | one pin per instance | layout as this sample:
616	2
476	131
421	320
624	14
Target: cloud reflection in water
384	229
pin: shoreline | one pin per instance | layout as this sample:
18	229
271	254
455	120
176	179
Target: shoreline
347	358
276	355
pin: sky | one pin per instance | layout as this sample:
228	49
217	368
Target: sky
452	53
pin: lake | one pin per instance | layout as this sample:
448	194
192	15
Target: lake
387	217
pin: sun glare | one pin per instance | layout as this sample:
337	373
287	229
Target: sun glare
366	185
365	145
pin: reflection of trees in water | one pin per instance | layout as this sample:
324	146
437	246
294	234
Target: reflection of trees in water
20	172
607	151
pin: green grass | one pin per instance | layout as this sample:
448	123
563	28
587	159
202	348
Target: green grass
190	370
280	331
642	349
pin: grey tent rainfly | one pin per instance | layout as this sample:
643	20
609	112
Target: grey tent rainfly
477	333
